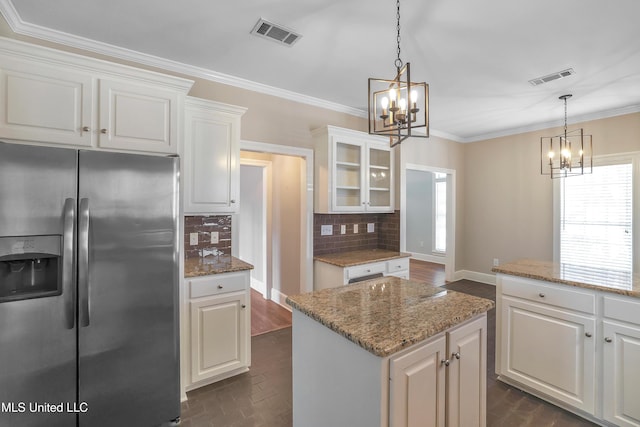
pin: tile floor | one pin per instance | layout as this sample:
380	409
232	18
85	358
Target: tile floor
262	397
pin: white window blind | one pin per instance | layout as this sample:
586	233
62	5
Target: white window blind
596	218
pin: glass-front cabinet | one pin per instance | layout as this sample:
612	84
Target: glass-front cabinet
353	172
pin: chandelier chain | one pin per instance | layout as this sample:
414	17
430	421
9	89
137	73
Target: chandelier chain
398	62
565	118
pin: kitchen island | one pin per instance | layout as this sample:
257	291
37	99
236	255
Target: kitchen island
388	352
571	335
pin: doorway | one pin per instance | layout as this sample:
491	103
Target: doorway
427	215
275	217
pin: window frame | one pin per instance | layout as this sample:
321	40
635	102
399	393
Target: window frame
604	160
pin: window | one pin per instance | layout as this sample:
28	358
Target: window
595	217
440	212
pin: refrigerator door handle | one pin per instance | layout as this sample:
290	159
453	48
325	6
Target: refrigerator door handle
68	264
83	262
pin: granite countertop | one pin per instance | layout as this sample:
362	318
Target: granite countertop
387	314
194	267
573	275
351	258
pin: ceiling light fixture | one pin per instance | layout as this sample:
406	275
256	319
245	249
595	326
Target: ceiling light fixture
568	154
398	106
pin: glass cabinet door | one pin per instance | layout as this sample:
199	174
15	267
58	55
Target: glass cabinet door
379	177
348	177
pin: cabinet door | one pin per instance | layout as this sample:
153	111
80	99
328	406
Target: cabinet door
550	350
467	392
417	387
212	150
43	103
219	335
137	117
379	179
348	176
621	374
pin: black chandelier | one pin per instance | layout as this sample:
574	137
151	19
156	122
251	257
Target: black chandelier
398	106
568	154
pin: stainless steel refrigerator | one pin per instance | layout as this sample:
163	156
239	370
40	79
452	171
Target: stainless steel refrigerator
88	288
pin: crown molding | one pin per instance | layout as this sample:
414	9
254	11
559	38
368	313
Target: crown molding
556	123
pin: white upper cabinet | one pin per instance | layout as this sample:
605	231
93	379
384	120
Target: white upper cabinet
211	156
137	117
45	103
353	172
50	96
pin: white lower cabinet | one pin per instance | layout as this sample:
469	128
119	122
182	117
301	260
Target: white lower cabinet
220	323
621	357
417	386
327	275
551	350
441	382
576	347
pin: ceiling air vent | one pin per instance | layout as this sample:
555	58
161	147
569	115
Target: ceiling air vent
551	77
274	32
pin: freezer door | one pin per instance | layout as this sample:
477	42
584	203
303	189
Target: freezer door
127	284
37	335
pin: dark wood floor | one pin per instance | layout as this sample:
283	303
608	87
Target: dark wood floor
262	397
266	315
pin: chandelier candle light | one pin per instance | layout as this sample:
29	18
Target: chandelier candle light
568	154
398	106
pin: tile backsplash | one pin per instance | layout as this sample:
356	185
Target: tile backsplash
386	234
204	226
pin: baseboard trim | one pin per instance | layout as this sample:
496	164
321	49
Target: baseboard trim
489	279
428	258
259	286
279	298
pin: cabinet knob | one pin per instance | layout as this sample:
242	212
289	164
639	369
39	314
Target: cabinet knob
232	200
588	334
243	306
607	339
85	129
541	295
456	355
445	362
220	286
103	131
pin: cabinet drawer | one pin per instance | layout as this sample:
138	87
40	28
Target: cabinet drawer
559	296
625	309
395	265
219	284
365	270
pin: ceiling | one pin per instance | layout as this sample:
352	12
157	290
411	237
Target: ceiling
477	56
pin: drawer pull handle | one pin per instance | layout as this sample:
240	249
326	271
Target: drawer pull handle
541	295
103	131
587	334
86	129
607	339
445	362
220	286
456	355
368	271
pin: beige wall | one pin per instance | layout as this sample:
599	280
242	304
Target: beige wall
507	203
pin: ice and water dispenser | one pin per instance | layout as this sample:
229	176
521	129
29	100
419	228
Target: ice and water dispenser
30	267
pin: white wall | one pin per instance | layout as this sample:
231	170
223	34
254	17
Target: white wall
252	224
